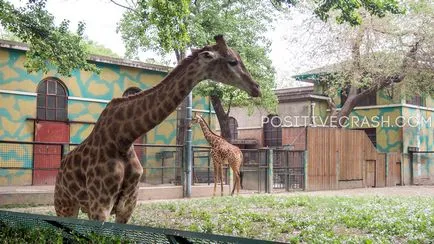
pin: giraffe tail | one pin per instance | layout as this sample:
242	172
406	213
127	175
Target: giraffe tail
241	179
241	174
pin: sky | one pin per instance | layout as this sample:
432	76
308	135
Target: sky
101	18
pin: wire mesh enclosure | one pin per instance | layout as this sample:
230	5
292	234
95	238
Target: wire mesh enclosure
288	170
68	230
162	164
37	163
253	169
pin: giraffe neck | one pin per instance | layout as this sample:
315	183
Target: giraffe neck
126	119
210	136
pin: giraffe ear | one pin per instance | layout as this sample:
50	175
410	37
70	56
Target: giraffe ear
208	56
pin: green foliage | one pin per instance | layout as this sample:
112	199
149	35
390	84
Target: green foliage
244	27
350	10
300	218
158	25
93	47
384	52
296	218
50	45
171	27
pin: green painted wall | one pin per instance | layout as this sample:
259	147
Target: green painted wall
16	109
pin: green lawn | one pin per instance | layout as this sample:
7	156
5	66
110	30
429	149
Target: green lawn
297	218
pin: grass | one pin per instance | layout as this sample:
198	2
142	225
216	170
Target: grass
317	219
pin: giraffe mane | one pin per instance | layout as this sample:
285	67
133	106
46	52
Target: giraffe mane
178	70
206	124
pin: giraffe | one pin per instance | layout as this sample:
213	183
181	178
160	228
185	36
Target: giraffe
222	152
101	175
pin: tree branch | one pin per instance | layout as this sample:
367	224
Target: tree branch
123	6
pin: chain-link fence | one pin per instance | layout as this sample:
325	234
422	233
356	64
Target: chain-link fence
37	163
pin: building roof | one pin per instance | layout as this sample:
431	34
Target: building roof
293	94
312	75
96	58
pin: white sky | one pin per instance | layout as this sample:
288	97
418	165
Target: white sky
101	18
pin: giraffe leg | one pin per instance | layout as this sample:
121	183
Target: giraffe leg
216	176
129	192
221	178
64	205
104	187
126	205
236	181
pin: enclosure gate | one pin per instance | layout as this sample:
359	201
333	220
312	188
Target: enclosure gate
288	170
421	164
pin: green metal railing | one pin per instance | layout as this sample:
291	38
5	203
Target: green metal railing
72	230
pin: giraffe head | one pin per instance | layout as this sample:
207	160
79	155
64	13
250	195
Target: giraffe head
196	118
223	64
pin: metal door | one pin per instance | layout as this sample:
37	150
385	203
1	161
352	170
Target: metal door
46	157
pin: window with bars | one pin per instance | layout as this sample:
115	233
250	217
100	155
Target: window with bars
416	100
52	100
131	91
233	127
272	131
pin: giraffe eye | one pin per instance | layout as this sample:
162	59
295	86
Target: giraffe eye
233	62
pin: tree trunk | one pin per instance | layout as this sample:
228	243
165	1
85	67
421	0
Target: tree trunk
222	117
355	96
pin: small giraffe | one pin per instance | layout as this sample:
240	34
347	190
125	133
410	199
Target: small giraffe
101	175
222	152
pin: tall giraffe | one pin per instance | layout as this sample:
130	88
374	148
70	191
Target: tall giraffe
101	175
222	152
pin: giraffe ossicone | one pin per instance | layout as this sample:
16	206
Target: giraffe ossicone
101	175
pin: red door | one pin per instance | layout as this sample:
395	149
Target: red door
46	158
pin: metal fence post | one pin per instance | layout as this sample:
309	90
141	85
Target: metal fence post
64	149
305	155
270	171
188	147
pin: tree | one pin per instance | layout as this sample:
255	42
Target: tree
350	10
49	44
93	47
172	26
394	50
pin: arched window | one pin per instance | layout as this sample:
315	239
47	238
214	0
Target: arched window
272	131
52	100
131	91
233	127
